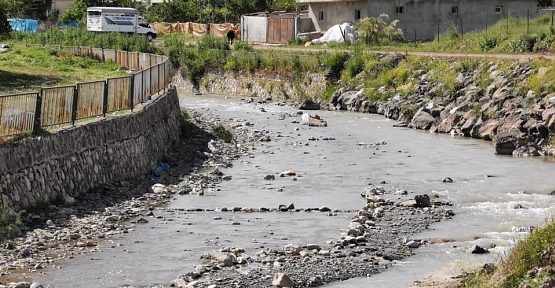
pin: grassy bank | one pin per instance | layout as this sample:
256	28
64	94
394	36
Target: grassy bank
27	69
512	36
82	37
531	263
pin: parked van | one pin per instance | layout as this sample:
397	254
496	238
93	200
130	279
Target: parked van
118	19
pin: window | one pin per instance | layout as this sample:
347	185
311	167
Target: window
357	14
455	10
400	9
499	9
320	15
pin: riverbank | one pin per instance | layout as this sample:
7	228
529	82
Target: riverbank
508	102
54	234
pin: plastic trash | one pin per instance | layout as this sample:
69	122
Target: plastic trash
160	169
212	146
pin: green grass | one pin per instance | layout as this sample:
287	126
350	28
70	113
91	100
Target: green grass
535	251
9	224
27	69
499	38
223	133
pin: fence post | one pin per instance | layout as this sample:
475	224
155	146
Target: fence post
105	99
437	32
142	86
75	106
508	12
487	20
38	114
528	21
462	30
552	12
159	82
131	92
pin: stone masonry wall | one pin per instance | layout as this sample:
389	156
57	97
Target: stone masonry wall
278	87
75	160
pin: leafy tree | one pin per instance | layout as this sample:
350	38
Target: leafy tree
375	30
286	5
240	7
545	3
4	25
77	12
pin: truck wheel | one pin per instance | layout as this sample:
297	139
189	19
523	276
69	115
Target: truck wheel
149	37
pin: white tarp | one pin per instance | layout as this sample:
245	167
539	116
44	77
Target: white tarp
338	33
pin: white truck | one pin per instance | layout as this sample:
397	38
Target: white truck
118	19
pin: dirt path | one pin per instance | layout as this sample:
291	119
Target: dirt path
514	56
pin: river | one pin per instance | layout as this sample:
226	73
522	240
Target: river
485	191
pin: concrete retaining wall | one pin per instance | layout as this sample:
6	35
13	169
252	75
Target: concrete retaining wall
75	160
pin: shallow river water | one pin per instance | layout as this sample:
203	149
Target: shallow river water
485	191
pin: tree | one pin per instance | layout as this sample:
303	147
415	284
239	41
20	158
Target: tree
241	7
4	25
545	3
286	5
375	30
77	12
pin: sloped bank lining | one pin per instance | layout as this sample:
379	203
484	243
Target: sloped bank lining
276	86
514	118
75	160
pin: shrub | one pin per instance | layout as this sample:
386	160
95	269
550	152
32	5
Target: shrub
523	43
487	42
223	133
354	65
335	63
453	32
9	224
187	128
376	30
243	46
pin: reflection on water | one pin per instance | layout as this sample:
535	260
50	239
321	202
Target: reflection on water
486	192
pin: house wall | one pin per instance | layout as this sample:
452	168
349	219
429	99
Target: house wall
304	25
422	18
254	28
336	13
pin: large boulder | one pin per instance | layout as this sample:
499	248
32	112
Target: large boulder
423	200
282	280
351	100
488	129
422	120
509	136
468	125
309	105
316	122
227	259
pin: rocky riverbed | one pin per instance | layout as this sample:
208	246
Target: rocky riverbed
378	234
75	227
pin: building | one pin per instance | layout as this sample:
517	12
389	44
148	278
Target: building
420	19
275	27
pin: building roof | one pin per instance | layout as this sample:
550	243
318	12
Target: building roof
123	10
278	13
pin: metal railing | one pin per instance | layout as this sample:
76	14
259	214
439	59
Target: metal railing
30	112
